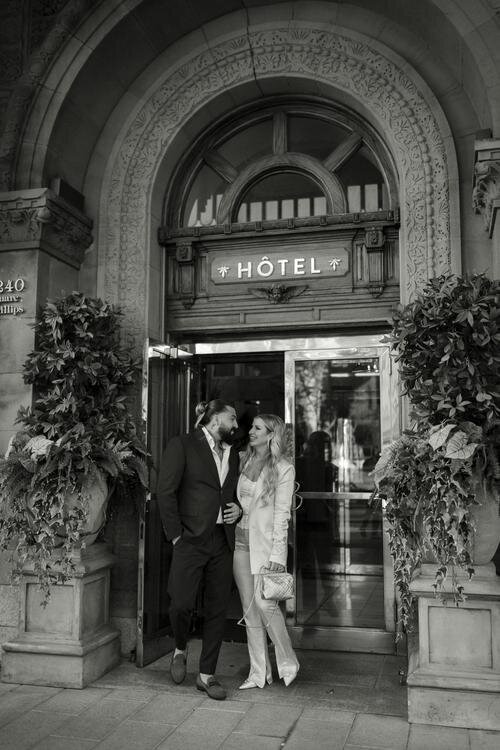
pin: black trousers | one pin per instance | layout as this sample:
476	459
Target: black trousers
212	563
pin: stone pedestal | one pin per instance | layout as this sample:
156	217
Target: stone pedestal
69	643
454	678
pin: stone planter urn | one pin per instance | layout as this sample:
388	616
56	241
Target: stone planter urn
68	642
96	507
486	518
454	671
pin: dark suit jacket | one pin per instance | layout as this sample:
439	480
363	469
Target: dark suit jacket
189	493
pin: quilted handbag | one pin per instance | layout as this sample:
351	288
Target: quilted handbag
276	586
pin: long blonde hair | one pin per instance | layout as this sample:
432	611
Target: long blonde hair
277	451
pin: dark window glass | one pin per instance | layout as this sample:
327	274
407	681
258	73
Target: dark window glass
314	136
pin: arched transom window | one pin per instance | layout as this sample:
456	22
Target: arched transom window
286	162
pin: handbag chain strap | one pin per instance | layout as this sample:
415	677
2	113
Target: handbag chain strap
241	621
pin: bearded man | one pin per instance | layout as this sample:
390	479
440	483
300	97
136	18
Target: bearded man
198	506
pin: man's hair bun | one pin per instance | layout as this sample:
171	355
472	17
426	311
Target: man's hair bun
201	408
205	410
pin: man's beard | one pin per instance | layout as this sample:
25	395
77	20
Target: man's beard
227	434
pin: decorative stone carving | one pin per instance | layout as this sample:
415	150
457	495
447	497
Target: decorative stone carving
186	273
278	293
38	218
374	238
486	188
355	65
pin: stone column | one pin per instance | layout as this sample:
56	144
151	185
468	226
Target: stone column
486	193
42	242
454	677
43	237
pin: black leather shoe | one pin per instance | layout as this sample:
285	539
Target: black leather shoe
212	688
178	668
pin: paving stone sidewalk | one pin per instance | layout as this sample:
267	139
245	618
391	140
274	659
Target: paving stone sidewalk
339	702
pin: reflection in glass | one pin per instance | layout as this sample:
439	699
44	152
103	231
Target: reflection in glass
204	198
364	183
338	533
283	195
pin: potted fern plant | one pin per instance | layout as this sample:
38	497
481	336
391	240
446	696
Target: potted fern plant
440	479
78	446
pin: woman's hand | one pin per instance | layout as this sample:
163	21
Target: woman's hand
276	567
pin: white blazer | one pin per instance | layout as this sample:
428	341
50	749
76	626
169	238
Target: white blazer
268	523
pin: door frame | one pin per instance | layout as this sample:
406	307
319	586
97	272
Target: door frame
341	348
165	374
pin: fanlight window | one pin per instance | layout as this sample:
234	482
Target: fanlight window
248	144
204	198
285	195
284	165
313	135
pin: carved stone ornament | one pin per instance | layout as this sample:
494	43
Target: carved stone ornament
486	189
374	239
184	252
278	293
379	80
185	258
38	218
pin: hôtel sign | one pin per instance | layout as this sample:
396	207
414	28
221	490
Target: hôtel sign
305	262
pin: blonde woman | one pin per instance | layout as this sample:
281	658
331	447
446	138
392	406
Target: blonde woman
265	491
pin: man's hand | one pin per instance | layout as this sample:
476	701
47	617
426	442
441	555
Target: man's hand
231	513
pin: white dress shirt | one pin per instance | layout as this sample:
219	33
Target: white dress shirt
222	466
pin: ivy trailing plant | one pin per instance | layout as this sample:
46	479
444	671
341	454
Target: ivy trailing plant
78	432
447	344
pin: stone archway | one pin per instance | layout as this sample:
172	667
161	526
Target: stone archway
399	103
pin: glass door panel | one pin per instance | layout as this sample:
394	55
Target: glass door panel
341	406
168	375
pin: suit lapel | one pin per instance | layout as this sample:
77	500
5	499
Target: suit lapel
206	454
232	466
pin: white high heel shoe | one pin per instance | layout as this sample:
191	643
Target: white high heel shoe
248	684
289	677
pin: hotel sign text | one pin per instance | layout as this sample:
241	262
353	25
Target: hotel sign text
289	263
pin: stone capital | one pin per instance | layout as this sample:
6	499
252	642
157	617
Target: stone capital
39	219
486	186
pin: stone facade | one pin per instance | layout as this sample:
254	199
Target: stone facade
106	96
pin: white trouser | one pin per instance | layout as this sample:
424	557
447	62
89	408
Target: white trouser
261	614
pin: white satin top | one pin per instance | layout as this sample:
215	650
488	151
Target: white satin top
245	492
